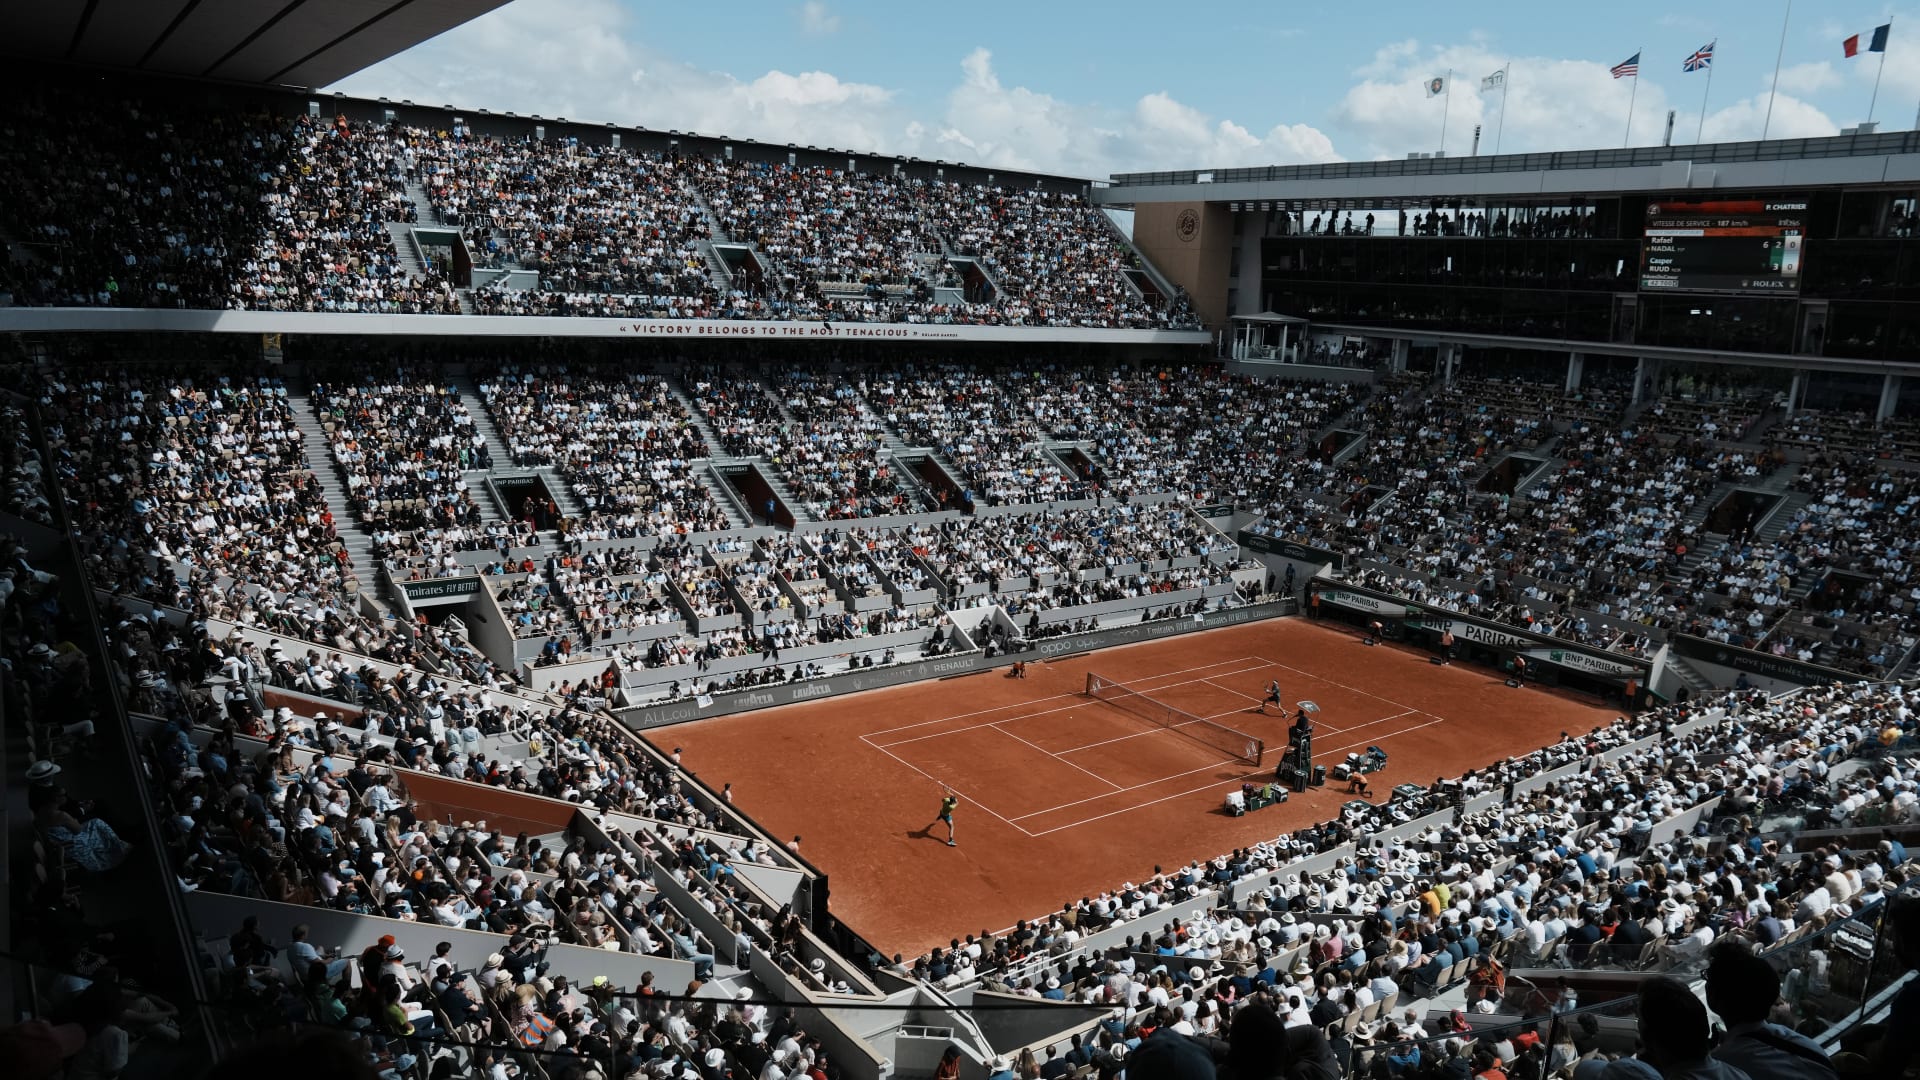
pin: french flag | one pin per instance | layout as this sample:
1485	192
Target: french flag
1876	43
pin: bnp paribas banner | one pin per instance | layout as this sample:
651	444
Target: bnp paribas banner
1537	648
1579	660
1379	605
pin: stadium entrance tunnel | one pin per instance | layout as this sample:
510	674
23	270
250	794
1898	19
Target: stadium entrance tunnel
767	505
946	491
1740	512
1335	443
527	498
1505	476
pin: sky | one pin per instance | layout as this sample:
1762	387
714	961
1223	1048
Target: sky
1093	89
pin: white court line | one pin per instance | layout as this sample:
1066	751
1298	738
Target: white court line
1125	810
1191	791
1389	735
1147	731
1258	699
1051	697
1341	685
1056	757
962	716
1136	787
971	801
1382	720
1022	716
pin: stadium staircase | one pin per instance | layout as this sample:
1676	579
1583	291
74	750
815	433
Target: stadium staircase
333	487
1699	684
955	258
898	451
717	271
1147	269
708	471
407	247
460	381
422	203
692	192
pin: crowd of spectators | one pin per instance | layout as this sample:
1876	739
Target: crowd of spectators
829	446
818	224
984	421
131	198
192	491
126	198
1574	873
326	245
621	440
1055	258
404	442
591	219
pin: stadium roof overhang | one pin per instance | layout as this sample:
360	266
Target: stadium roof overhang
1567	346
1892	158
270	42
751	333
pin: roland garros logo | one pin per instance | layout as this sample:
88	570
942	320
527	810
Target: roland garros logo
1187	225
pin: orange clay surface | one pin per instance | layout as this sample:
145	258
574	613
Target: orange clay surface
1062	796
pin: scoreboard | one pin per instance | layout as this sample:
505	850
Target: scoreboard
1750	246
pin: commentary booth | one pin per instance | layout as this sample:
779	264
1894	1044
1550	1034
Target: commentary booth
1550	661
1270	337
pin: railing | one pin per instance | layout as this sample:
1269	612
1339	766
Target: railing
1893	142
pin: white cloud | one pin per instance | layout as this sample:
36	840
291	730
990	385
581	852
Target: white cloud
1745	119
582	59
1551	104
817	20
585	60
1810	78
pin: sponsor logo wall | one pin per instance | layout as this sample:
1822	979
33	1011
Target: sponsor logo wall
1275	545
1783	668
938	668
440	588
1536	647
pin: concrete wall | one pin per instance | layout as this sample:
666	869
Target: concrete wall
216	915
1191	243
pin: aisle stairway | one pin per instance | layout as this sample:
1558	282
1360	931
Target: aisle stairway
319	456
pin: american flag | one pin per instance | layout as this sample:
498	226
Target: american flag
1701	58
1628	68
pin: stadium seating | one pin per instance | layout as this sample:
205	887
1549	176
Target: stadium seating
225	208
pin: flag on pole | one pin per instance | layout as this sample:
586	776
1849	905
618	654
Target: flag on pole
1436	86
1628	68
1876	43
1701	58
1494	81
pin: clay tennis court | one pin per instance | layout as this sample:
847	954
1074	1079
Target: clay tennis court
1062	795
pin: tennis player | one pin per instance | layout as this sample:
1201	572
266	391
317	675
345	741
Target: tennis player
1273	698
948	803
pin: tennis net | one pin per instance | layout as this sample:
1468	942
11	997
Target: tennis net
1234	743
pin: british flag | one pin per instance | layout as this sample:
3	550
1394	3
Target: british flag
1702	58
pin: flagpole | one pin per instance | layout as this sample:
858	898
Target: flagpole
1446	103
1776	71
1697	131
1633	97
1506	77
1877	74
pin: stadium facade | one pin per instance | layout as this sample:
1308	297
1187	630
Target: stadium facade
1787	257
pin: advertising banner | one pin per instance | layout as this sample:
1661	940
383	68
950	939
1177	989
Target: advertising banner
940	667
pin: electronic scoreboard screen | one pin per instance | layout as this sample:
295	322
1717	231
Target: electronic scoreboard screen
1725	245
